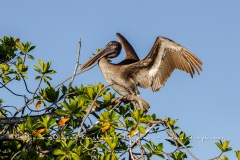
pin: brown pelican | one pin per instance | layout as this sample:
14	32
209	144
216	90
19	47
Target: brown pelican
151	72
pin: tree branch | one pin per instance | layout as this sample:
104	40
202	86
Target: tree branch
77	63
17	120
217	156
11	137
142	136
89	109
177	139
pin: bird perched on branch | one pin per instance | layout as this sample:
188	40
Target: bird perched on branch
151	72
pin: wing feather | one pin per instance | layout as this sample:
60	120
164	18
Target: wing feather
131	55
165	56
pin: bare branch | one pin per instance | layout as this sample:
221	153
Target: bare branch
175	137
88	112
17	120
4	137
12	91
75	75
16	154
77	63
217	156
141	148
25	83
130	149
141	137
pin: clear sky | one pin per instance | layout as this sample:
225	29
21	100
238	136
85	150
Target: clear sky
207	105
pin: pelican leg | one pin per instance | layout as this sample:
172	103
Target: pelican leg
137	102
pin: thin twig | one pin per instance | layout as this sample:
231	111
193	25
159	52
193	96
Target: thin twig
15	154
77	64
14	120
29	101
12	91
140	147
3	85
75	75
217	156
134	143
88	112
175	137
116	104
130	149
25	83
39	84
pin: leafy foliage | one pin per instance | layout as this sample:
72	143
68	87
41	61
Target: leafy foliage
78	122
13	55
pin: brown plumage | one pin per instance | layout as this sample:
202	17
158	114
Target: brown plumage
151	72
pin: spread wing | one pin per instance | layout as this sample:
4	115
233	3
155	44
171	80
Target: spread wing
165	56
131	55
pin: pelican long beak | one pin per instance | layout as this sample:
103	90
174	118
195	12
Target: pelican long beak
104	52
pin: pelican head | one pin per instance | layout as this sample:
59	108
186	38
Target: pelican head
111	50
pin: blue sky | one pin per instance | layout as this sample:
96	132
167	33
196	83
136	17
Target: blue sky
207	105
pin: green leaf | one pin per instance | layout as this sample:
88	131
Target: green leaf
154	116
225	146
102	146
179	155
36	68
62	142
30	57
152	144
58	152
224	158
20	46
70	143
66	106
114	156
228	149
147	146
90	92
29	122
123	110
75	156
23	155
87	142
6	79
135	115
160	146
237	154
107	157
142	129
219	145
6	67
19	60
61	112
158	153
129	123
41	63
107	97
112	146
60	158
